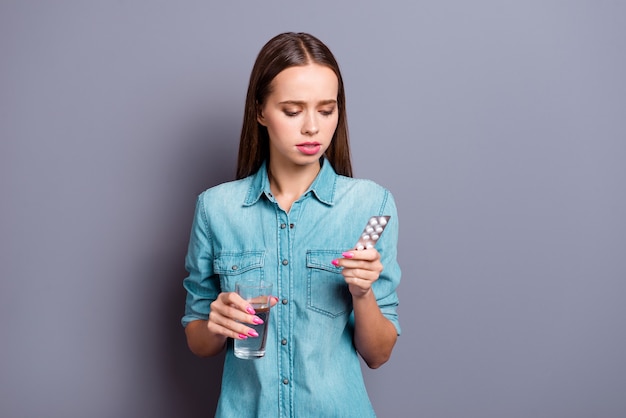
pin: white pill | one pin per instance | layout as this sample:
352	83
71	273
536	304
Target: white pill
365	237
382	221
369	245
379	229
373	221
360	247
369	229
375	237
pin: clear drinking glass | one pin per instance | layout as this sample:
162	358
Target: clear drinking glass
258	294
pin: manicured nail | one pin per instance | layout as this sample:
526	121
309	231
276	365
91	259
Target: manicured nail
250	310
347	254
275	298
257	320
242	336
253	333
335	263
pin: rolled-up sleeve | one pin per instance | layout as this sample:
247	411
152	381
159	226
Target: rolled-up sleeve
201	284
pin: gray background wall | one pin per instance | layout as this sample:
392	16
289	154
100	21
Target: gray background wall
498	125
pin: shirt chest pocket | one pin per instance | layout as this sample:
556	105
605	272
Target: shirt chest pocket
235	266
327	291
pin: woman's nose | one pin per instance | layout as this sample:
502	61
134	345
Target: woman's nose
310	127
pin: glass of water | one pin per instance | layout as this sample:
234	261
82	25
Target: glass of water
258	294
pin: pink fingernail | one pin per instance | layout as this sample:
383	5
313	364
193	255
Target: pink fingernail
335	263
250	310
347	254
253	333
242	336
257	320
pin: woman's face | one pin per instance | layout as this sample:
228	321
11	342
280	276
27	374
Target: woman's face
301	114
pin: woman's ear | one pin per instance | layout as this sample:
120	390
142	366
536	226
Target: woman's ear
259	114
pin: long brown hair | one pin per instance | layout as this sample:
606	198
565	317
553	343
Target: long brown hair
281	52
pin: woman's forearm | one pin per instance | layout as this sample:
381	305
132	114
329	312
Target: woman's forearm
374	335
201	341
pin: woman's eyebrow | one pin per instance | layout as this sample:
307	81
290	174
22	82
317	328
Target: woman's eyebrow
302	103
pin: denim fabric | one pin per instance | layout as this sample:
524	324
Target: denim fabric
311	368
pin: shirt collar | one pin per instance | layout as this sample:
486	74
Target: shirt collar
323	187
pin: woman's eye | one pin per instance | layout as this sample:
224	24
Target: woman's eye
291	113
327	112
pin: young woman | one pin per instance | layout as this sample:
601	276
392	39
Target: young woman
293	217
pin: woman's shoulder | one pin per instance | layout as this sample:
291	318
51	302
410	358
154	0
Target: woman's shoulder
228	191
371	196
360	185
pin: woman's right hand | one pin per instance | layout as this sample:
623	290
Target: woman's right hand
229	315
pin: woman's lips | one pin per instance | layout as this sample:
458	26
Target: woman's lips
309	148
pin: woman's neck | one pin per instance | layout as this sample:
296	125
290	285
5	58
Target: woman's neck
288	183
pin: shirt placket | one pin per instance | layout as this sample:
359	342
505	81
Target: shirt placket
287	308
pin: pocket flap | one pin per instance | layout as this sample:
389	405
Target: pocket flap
321	259
233	263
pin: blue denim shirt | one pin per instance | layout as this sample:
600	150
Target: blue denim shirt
311	367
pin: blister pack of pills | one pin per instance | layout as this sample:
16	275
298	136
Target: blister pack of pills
372	232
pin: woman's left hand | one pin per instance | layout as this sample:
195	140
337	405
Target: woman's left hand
360	269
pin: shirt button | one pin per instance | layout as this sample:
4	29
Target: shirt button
285	301
283	341
283	226
285	262
234	267
291	226
285	381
